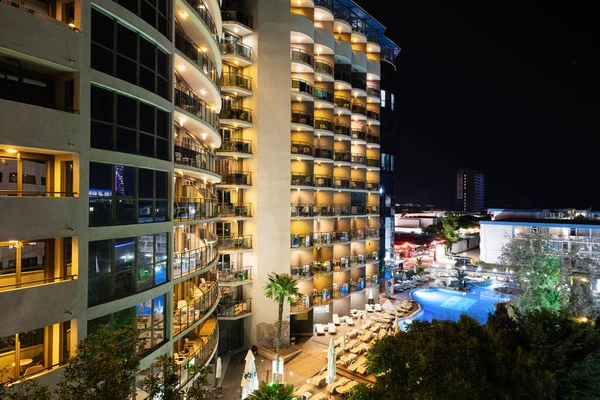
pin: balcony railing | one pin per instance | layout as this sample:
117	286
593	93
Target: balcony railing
343	156
322	181
202	12
39	14
358	109
191	209
359	134
301	179
341	75
194	156
301	272
332	210
342	291
235	275
303	56
195	309
188	101
234	15
342	102
341	263
372	139
372	185
341	12
323	152
372	209
232	79
322	296
302	86
372	257
372	280
195	259
328	4
358	25
235	242
358	159
388	53
33	193
203	348
236	113
236	146
192	51
372	114
322	94
304	303
359	83
341	183
323	67
322	267
236	178
234	309
300	240
302	211
373	35
235	48
357	234
300	117
372	162
373	91
324	124
357	285
357	184
342	129
301	148
234	210
357	259
372	233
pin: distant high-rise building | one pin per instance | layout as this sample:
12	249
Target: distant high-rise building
469	191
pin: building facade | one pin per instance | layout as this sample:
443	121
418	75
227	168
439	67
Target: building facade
146	139
470	193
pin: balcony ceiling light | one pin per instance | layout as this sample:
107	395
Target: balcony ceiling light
298	129
299	2
369	48
339	28
237	62
340	87
299	99
183	14
11	151
203	49
298	159
354	40
181	68
203	92
235	94
298	69
203	135
319	78
236	30
235	125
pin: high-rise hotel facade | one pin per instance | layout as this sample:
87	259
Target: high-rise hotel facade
160	158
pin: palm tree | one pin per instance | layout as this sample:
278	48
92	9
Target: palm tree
460	274
267	391
281	288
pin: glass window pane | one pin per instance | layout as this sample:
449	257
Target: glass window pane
101	136
146	250
33	171
100	192
126	69
161	210
8	266
125	212
162	123
147	53
160	273
126	42
145	208
126	111
7	355
162	149
126	141
102	29
146	118
146	186
161	246
146	145
145	277
125	181
161	185
33	258
102	102
102	59
32	349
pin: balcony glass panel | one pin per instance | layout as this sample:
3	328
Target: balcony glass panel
194	156
235	308
358	109
373	91
372	114
322	267
236	146
340	101
298	240
342	290
301	179
372	233
358	159
300	117
236	112
191	50
302	210
341	156
195	349
372	185
301	148
322	296
322	94
236	48
342	129
301	304
328	4
341	183
341	12
302	86
322	181
357	184
341	75
202	13
372	162
323	152
301	272
235	210
191	209
324	124
357	259
235	15
235	242
372	209
236	178
372	139
358	82
187	312
188	101
324	67
236	80
301	55
359	134
235	275
358	25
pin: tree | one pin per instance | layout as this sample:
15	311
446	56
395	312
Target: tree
460	274
268	391
281	288
23	390
446	229
165	384
104	366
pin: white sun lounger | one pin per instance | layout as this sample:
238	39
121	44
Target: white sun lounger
345	388
318	380
319	329
307	395
349	320
366	336
368	307
351	344
378	307
352	333
347	358
357	363
319	396
301	390
340	382
331	328
336	319
338	341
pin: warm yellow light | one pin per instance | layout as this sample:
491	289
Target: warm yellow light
583	319
203	136
181	67
203	49
72	25
369	48
203	92
183	14
236	30
12	151
237	62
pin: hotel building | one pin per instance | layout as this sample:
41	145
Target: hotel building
183	150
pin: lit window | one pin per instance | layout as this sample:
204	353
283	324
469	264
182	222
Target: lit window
392	101
383	98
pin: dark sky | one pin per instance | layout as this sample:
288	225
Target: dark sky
509	88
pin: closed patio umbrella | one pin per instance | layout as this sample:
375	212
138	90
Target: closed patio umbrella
331	363
218	368
388	305
250	378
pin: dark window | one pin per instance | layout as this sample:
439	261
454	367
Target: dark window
151	12
12	178
29	179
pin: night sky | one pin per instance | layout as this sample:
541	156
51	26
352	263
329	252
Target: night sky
511	89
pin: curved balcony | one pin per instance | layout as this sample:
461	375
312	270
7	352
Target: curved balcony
342	129
235	277
302	60
236	179
372	257
237	53
372	139
372	233
301	305
322	296
342	105
302	121
372	210
196	158
323	126
198	352
236	84
230	244
323	154
359	86
193	209
234	210
359	61
373	94
359	111
341	291
239	117
357	234
301	179
373	117
357	285
199	27
322	181
322	267
343	52
234	309
372	163
202	13
343	79
373	70
323	70
325	4
373	186
371	281
359	159
357	184
195	260
359	136
342	18
301	90
302	272
342	157
323	98
341	183
240	148
357	260
301	27
201	115
324	39
236	21
300	240
301	150
194	310
340	264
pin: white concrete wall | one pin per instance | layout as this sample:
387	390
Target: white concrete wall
493	237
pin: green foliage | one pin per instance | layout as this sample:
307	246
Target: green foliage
467	221
103	367
446	229
165	384
541	355
460	274
23	390
268	391
281	288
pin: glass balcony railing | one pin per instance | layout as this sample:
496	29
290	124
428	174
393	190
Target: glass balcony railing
341	263
342	129
198	352
372	233
188	101
358	209
302	211
341	236
243	178
301	272
236	146
322	267
236	113
372	209
300	240
235	15
300	117
322	181
193	310
373	35
322	296
388	54
359	83
235	48
190	155
372	280
302	304
372	185
302	56
343	156
332	210
202	13
372	257
357	234
341	183
324	124
39	12
357	184
234	308
323	67
372	139
192	51
188	261
340	291
358	159
232	79
322	94
357	259
235	275
328	4
341	75
372	162
233	210
373	91
192	209
235	242
301	179
323	152
358	25
341	12
356	285
342	102
358	109
301	148
302	86
359	134
372	114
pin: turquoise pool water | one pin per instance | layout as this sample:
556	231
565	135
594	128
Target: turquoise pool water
450	304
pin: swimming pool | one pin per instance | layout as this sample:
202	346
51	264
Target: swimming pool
450	304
